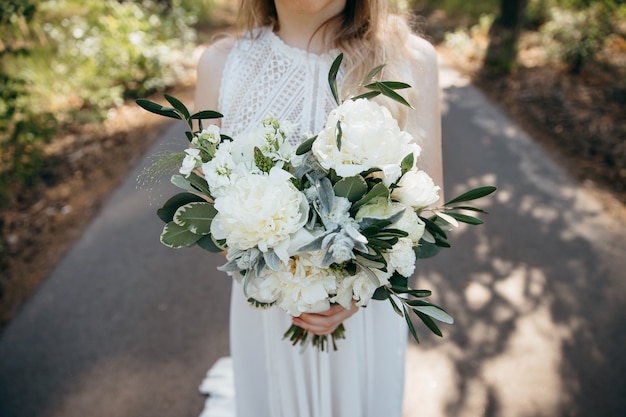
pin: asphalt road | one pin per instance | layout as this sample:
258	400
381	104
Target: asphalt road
125	327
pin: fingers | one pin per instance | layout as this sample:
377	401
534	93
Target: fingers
325	322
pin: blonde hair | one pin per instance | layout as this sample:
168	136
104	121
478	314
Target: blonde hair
365	31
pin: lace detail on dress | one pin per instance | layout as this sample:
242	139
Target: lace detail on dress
265	76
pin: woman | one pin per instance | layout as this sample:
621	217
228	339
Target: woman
280	66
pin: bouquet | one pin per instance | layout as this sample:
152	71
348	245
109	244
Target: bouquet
342	218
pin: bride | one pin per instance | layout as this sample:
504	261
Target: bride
279	66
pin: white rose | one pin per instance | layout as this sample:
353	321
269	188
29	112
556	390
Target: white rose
260	211
416	189
192	161
370	138
412	224
402	258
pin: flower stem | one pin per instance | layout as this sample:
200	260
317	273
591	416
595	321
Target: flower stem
297	334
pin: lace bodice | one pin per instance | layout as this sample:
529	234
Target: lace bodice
264	76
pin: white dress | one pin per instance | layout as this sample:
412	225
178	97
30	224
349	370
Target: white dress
365	377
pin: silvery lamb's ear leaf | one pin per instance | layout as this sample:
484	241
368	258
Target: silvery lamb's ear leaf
271	260
326	194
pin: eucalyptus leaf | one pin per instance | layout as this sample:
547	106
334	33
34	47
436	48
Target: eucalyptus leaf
379	190
397	280
166	213
332	77
197	217
352	188
175	236
473	194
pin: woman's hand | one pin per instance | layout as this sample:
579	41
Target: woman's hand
325	322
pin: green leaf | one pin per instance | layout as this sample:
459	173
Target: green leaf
407	163
207	243
207	114
397	280
429	323
373	72
305	146
469	208
379	190
473	194
381	294
182	183
433	228
394	85
199	183
156	108
197	217
388	92
332	77
431	310
166	213
369	95
426	250
465	218
175	236
178	105
352	188
339	134
395	307
410	324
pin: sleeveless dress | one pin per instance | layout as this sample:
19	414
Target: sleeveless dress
365	376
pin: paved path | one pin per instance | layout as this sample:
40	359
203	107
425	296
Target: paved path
127	328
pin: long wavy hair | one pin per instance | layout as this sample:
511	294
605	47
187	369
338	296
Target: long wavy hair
365	30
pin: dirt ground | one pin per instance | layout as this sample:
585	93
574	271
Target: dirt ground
578	119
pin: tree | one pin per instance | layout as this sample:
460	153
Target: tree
503	36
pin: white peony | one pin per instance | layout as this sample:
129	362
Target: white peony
370	138
402	258
299	286
416	189
192	161
260	211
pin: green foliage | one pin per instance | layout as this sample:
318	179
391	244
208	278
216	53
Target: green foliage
574	35
59	58
21	131
463	8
